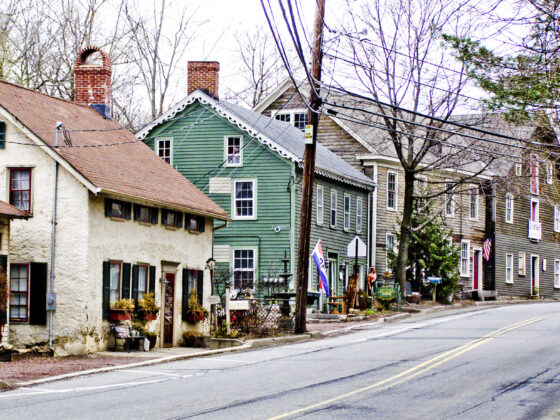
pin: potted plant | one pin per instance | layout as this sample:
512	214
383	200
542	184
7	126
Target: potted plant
121	310
140	326
147	307
196	312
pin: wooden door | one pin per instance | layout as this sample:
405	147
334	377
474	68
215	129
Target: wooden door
168	309
476	269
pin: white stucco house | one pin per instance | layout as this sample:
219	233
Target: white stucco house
125	222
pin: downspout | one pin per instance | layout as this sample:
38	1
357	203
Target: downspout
50	303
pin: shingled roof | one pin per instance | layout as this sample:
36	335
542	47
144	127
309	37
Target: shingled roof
105	156
11	211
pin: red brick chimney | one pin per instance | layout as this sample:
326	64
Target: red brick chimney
203	75
92	80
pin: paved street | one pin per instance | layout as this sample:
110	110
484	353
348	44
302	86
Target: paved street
482	363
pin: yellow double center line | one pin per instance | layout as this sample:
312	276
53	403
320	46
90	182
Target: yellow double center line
421	368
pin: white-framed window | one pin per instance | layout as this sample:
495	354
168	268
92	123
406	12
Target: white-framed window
509	208
296	117
244	268
464	267
549	172
518	169
164	149
245	199
143	282
521	263
334	204
359	213
557	274
509	268
421	185
449	200
390	245
534	172
473	204
115	273
320	205
534	210
556	218
346	212
233	150
392	189
544	264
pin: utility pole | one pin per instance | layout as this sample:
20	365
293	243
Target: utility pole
309	172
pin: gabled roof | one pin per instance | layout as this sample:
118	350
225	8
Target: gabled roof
281	137
104	156
11	211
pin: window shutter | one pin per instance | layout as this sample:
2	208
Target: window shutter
135	284
185	305
125	290
188	220
2	134
4	263
154	214
127	210
179	218
108	202
152	280
106	289
201	223
136	211
38	294
199	285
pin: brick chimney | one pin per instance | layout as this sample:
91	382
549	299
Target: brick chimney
203	75
92	80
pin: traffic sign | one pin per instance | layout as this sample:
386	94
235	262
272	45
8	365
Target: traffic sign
361	248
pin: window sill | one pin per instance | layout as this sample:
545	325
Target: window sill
196	232
117	219
245	218
168	227
509	282
145	224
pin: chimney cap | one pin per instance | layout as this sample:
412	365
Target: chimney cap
81	59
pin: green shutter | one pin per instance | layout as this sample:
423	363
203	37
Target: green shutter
106	289
185	305
136	209
2	135
179	219
201	223
38	294
125	281
152	280
108	203
155	215
135	274
199	285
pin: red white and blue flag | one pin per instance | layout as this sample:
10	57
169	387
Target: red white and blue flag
319	259
486	248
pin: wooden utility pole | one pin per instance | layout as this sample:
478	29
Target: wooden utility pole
309	172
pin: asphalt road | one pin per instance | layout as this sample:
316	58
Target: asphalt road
488	363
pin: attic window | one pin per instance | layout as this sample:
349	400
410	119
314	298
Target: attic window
296	117
164	147
170	218
117	209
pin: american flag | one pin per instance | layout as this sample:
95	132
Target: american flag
486	247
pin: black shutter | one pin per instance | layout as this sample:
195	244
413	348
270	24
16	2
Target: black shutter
179	218
163	216
106	289
152	280
185	306
136	211
2	134
125	281
135	284
188	220
38	294
127	210
4	263
199	285
108	203
154	215
201	223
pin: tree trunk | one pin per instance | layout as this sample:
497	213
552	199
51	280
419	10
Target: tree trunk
406	231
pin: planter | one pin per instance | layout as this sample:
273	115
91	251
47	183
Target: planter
194	317
119	315
152	339
150	316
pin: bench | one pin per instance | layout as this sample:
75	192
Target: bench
128	336
334	302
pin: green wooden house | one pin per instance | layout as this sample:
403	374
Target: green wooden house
251	165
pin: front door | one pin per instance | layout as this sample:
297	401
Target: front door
168	310
534	274
476	270
333	273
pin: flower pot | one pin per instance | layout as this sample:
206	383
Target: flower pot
119	315
152	339
194	317
150	316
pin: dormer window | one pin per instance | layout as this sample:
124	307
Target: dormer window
298	118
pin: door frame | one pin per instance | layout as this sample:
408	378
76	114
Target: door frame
479	251
534	279
334	272
163	342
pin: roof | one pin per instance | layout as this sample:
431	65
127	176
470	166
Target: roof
279	136
105	156
11	211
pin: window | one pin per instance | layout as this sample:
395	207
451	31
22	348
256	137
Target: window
244	200
171	218
509	268
114	281
521	264
549	173
534	210
243	269
392	185
518	169
509	208
19	296
557	274
473	204
233	149
556	219
346	212
194	223
320	205
116	208
358	215
389	246
334	205
421	185
20	188
143	271
449	200
534	175
464	268
298	118
283	116
146	214
164	149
